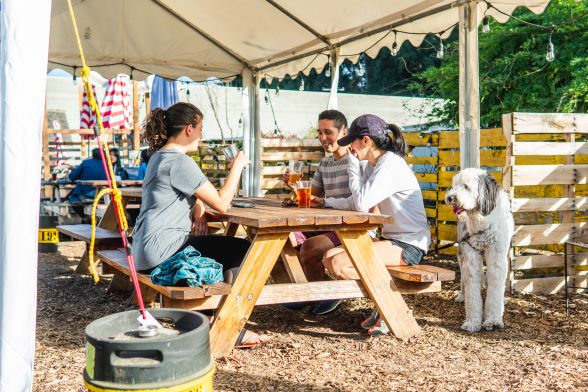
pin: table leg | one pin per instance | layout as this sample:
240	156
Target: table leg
231	229
292	263
238	305
379	284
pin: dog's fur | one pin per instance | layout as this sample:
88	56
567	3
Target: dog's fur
485	228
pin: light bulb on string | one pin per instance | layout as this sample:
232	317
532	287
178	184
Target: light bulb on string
360	70
266	97
394	49
328	71
550	55
485	25
301	85
440	52
277	90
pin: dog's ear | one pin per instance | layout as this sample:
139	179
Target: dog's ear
488	191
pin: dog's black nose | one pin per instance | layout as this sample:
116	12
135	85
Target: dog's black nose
450	198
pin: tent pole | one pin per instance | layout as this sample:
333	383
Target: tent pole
251	134
334	64
469	86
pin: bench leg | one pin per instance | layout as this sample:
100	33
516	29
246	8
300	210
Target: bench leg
120	283
83	267
149	296
377	282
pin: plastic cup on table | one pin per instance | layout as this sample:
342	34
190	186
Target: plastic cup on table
303	194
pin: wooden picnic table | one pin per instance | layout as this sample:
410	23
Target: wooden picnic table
270	224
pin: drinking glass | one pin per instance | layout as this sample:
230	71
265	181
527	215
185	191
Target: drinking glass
230	152
295	171
303	194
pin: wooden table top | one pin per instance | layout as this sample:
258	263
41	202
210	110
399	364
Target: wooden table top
270	213
120	183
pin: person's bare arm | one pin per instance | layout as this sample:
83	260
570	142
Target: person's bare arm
221	200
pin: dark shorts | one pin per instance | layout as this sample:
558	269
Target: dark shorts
301	237
411	254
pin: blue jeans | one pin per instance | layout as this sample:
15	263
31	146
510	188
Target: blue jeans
411	254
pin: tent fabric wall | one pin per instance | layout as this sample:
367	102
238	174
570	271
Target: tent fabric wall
212	38
23	60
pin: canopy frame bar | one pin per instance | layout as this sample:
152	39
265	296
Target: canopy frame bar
389	26
324	39
218	44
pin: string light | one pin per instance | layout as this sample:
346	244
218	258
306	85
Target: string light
550	56
277	89
266	97
74	74
394	50
301	85
485	25
131	74
440	52
360	69
328	71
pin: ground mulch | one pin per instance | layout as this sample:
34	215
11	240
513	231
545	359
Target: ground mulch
540	349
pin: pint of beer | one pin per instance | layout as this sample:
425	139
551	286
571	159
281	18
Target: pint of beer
303	194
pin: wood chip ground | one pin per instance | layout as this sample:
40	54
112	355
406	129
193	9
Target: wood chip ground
540	349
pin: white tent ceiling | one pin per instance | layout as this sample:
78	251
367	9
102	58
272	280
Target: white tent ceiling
221	38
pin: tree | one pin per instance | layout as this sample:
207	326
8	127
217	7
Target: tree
514	72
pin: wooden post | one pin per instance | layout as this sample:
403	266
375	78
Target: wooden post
569	216
509	135
136	131
46	158
469	87
251	134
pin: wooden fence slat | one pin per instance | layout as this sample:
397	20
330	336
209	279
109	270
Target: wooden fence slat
545	233
421	160
549	174
488	158
426	177
291	142
488	138
550	123
420	139
546	261
447	232
445	177
551	285
549	204
287	155
549	148
429	195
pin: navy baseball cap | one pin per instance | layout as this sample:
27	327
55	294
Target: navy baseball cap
364	125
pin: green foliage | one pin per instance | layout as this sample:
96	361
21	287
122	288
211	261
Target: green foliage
514	74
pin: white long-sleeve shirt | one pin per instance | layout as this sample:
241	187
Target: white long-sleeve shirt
393	187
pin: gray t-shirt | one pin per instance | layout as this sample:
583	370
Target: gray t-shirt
165	221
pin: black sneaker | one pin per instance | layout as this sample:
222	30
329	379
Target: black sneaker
325	307
297	305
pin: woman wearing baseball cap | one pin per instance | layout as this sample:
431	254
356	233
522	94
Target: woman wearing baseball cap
388	183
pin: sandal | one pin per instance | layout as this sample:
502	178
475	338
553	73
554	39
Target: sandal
254	340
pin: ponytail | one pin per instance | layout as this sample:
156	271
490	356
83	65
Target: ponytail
392	140
162	124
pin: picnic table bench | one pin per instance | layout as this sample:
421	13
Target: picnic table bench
269	226
408	280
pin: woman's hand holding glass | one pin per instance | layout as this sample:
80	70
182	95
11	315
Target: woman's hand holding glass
240	162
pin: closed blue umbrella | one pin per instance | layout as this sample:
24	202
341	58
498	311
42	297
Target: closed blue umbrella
164	93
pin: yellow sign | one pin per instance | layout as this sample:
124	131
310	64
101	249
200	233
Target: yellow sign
48	236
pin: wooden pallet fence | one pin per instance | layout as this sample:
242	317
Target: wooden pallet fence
492	158
275	156
547	177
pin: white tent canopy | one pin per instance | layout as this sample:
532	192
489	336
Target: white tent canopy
269	39
221	38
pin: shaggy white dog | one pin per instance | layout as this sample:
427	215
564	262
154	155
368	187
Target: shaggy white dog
485	228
